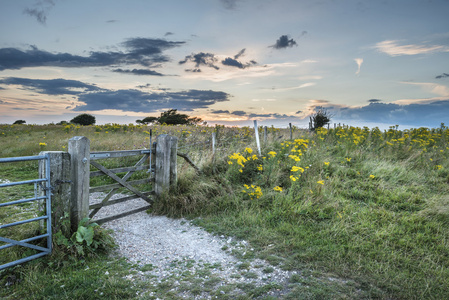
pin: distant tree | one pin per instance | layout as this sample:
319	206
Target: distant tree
83	119
20	122
172	117
320	118
62	123
147	120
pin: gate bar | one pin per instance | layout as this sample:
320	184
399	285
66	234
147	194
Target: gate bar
23	222
25	241
22	182
22	201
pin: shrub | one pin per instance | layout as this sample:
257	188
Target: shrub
83	119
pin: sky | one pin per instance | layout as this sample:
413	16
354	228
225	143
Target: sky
367	63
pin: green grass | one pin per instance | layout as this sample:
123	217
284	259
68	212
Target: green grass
378	226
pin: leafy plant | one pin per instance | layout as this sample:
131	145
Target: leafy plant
87	240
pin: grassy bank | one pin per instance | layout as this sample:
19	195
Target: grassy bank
366	205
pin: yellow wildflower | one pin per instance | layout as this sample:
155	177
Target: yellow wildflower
248	150
320	182
272	153
277	189
372	176
326	163
42	144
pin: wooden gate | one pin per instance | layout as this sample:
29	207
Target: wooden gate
144	163
159	163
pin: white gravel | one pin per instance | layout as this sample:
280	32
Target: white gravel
166	248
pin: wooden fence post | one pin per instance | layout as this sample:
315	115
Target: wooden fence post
265	134
291	131
79	150
165	172
214	137
256	132
60	183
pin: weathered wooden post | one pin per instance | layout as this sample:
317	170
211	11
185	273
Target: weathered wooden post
60	183
256	132
214	138
79	150
291	131
165	172
265	134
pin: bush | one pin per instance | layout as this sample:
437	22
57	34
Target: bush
83	119
20	122
320	118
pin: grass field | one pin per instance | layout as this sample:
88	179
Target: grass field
357	203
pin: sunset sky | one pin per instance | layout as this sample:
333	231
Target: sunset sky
374	63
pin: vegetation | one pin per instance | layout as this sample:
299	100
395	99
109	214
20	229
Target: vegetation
171	117
83	119
364	206
320	118
19	122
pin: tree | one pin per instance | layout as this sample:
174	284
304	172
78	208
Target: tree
20	122
147	120
171	117
83	119
320	118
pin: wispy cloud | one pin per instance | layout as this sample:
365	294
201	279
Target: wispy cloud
392	48
359	62
40	10
437	89
444	75
139	72
229	4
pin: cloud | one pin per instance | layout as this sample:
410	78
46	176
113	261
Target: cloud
359	62
431	87
444	75
93	98
229	4
168	33
141	51
201	59
374	100
53	86
392	48
241	53
233	62
220	111
138	101
238	113
284	42
40	10
428	114
139	72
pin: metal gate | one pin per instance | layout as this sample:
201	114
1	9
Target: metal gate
39	184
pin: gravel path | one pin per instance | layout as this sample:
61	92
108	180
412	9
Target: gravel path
193	263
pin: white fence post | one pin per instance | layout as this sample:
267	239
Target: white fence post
256	131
